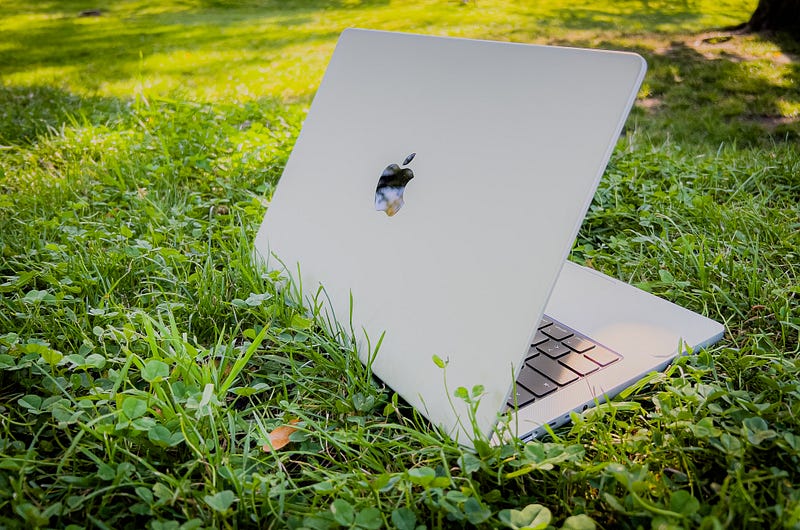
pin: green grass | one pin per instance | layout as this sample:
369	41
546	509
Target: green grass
144	360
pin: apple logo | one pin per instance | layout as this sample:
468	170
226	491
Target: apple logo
391	185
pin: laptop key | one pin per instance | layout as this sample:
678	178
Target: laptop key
557	373
602	356
532	352
539	338
578	344
553	349
523	397
578	363
557	332
535	382
544	322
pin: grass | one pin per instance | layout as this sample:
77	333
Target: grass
144	361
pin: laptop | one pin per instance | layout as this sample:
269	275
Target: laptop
428	208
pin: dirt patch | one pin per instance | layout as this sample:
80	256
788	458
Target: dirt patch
650	104
771	123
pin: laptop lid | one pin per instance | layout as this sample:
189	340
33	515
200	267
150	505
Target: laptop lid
510	141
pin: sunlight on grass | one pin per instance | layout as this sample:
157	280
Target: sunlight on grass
790	109
281	51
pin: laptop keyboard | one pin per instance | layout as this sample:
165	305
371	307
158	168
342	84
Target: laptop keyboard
558	357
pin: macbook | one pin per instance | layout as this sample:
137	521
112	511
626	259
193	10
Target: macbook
428	208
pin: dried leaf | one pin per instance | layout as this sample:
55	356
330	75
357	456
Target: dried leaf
279	437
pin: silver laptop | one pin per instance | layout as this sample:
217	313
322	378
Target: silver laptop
428	208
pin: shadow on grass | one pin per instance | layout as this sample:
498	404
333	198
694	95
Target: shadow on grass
711	97
116	45
646	15
625	16
722	97
27	112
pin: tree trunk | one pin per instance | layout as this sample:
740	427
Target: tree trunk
777	15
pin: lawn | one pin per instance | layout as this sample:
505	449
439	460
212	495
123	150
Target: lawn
147	366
